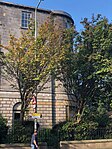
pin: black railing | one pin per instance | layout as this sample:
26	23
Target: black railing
100	133
53	137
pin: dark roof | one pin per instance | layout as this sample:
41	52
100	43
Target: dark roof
55	12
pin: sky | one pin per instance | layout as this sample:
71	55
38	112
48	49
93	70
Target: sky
78	9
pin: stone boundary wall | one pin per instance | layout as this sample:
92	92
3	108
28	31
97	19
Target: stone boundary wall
43	145
87	144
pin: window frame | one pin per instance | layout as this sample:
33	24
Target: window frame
25	19
68	24
70	111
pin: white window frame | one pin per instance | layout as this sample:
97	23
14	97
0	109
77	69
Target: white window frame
25	19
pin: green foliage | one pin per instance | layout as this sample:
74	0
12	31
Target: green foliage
73	131
3	129
97	114
21	132
85	129
94	124
102	116
87	77
49	136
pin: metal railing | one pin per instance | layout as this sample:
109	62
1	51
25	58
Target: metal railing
53	137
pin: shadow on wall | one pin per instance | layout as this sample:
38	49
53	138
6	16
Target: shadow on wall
53	102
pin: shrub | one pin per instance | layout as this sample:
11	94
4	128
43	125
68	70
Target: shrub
21	132
47	135
3	129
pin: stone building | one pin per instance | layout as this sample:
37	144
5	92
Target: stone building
52	104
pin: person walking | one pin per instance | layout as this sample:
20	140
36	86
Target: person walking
34	140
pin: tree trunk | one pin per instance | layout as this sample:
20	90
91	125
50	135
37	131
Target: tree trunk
22	112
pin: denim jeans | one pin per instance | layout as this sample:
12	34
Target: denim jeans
32	146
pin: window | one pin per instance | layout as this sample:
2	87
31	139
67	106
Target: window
16	111
68	24
70	112
25	19
16	116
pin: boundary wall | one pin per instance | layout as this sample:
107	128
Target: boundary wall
43	145
87	144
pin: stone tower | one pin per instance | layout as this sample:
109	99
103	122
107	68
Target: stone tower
52	103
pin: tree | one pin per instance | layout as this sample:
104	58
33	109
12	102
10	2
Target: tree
87	76
28	63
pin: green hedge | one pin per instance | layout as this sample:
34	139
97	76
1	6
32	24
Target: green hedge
20	132
3	130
